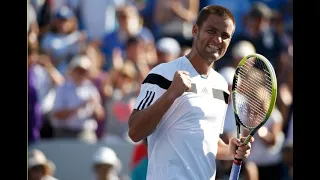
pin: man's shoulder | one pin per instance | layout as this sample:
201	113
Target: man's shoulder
162	74
167	69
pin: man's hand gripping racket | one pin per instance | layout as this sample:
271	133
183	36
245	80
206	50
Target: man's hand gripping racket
254	93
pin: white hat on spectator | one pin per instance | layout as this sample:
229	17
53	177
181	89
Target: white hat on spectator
81	61
105	155
168	45
243	48
37	157
228	73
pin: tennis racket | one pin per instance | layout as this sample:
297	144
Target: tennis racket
254	92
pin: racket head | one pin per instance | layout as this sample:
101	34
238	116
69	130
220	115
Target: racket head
254	91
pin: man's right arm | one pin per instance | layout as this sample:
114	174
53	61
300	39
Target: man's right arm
143	122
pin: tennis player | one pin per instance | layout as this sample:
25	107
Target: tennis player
182	105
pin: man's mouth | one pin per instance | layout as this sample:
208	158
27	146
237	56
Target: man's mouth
212	48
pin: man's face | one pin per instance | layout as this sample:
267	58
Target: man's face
213	37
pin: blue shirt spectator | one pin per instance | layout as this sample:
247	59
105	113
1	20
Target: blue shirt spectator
64	40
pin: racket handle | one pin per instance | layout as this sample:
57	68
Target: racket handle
235	171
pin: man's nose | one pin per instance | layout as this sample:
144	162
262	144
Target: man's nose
217	39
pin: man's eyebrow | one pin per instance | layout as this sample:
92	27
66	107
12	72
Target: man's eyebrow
227	34
223	33
211	27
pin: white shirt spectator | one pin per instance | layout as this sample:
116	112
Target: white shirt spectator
70	96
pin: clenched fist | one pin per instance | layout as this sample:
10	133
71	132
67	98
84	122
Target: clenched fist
181	82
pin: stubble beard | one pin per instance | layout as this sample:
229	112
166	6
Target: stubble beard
207	58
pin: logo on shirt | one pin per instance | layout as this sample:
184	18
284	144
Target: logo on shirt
205	91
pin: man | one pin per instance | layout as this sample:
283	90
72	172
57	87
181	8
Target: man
182	105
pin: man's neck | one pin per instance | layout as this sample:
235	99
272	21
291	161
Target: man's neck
199	64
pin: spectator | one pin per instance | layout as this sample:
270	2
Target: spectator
101	80
148	47
147	13
98	18
167	49
32	20
35	118
258	31
43	14
64	40
135	53
277	22
176	18
266	151
106	165
274	4
120	105
39	167
77	105
238	51
46	78
129	25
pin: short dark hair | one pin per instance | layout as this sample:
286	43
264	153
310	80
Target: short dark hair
214	9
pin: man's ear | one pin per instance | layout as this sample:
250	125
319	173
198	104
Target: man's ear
195	30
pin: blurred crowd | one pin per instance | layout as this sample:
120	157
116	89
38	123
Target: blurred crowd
88	58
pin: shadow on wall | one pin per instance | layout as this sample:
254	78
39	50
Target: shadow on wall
73	158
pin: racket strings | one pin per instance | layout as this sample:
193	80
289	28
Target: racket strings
257	72
253	92
256	76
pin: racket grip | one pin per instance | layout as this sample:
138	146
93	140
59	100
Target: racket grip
235	170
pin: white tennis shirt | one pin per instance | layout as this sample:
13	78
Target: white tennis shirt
184	145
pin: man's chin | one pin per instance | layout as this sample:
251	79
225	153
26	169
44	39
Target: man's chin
213	57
